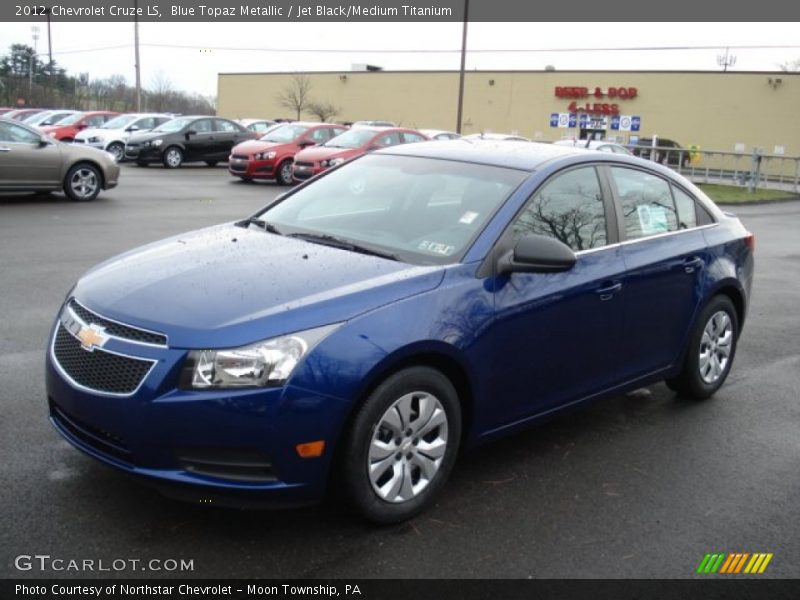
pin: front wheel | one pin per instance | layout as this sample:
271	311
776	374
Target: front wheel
173	157
402	445
82	183
712	347
116	150
284	175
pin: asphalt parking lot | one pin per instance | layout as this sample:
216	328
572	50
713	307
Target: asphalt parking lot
639	486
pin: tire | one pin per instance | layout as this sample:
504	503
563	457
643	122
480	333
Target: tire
83	182
390	482
172	157
284	174
212	163
116	150
711	350
247	179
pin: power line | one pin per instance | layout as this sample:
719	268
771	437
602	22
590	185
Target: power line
437	50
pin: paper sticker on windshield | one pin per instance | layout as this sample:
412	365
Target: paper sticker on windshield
436	248
652	219
468	217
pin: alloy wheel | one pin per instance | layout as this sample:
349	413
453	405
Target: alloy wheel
84	183
715	347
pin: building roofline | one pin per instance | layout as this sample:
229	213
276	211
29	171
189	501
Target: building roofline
486	71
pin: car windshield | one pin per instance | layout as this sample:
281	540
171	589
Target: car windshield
70	120
284	133
421	210
173	126
119	122
39	118
352	138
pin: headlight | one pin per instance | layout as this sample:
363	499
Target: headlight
263	364
264	155
156	143
93	140
335	161
52	134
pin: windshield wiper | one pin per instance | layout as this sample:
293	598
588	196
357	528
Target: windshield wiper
268	227
336	242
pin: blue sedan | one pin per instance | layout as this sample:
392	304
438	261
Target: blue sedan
361	331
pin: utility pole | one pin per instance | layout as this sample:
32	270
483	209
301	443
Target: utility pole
461	72
136	44
48	11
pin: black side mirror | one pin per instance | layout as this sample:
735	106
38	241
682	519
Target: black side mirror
43	141
190	133
306	143
132	128
537	254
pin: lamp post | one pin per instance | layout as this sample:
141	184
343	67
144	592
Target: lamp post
35	36
136	53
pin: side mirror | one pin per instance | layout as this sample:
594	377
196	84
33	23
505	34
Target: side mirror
132	128
82	126
306	143
44	141
190	133
537	254
373	148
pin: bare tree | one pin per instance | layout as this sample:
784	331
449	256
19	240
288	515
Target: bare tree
294	97
161	91
790	66
323	110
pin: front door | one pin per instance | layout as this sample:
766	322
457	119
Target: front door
25	161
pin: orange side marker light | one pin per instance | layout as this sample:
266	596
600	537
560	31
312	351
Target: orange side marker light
311	449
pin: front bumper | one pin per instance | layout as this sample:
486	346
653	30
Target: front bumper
240	166
143	153
231	448
301	172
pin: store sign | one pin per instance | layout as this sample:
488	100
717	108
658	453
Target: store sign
577	93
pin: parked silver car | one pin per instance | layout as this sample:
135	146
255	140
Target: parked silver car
31	161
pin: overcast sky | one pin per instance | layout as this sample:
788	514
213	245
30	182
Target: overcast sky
104	49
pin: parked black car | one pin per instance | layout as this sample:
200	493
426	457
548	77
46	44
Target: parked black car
667	152
187	139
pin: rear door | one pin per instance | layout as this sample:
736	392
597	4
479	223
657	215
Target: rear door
228	134
200	145
665	256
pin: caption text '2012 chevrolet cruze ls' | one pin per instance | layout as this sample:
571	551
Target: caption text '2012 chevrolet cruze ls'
370	324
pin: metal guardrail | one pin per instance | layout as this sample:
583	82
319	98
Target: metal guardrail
753	170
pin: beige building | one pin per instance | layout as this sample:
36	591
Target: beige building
731	112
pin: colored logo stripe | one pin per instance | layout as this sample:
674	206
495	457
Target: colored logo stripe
734	563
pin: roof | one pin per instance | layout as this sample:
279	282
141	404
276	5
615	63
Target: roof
525	156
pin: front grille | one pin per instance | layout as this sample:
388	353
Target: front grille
302	175
304	164
119	330
98	370
131	146
233	465
78	141
239	156
99	439
235	167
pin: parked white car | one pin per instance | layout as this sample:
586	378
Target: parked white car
601	145
111	136
49	117
439	134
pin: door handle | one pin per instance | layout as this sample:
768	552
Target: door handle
690	264
607	291
5	149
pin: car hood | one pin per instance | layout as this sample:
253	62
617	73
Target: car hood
49	128
323	153
227	286
253	146
103	134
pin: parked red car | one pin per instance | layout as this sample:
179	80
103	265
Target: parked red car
66	129
350	144
272	155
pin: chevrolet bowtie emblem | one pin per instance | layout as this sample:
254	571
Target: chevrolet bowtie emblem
92	337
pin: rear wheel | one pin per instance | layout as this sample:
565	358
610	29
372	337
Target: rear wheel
82	182
173	157
284	175
712	347
402	445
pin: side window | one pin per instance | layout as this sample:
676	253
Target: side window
14	133
569	208
225	126
161	121
96	120
388	139
412	137
337	131
146	123
647	206
319	135
687	209
202	126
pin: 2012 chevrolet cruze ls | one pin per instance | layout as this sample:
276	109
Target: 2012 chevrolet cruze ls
374	321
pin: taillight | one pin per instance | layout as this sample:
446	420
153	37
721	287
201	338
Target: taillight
750	241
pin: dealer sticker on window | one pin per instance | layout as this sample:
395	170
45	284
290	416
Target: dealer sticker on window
652	219
468	217
436	248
